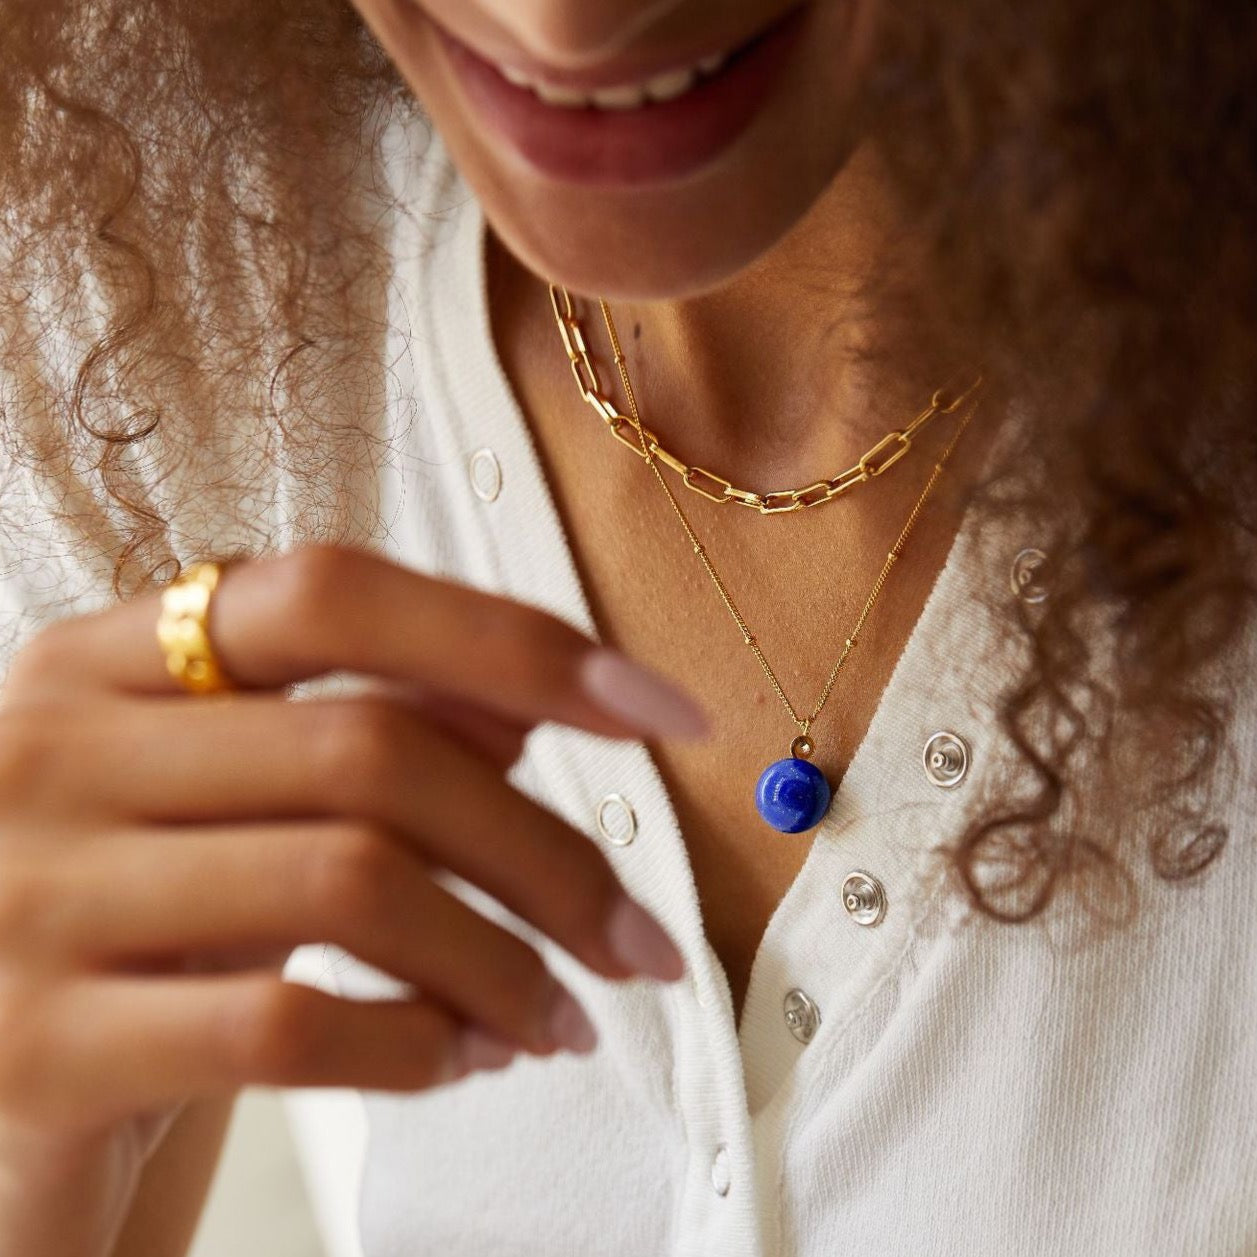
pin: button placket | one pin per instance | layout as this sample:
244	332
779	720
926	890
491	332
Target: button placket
699	990
684	1059
721	1178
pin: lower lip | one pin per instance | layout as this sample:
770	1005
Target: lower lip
660	141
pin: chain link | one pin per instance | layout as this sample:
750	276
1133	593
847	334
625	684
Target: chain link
648	448
707	483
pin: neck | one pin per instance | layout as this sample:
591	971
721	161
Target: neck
793	369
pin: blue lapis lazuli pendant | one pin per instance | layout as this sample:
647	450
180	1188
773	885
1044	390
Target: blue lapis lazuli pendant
792	794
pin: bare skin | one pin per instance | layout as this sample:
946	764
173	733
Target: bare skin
160	856
658	242
707	275
737	327
664	608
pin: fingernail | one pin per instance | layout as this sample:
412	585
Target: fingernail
568	1025
481	1050
639	942
638	696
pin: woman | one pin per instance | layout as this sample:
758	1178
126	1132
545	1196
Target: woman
898	852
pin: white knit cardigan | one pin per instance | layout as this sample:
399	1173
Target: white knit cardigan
970	1088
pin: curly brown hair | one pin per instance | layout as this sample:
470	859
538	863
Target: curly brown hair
1085	175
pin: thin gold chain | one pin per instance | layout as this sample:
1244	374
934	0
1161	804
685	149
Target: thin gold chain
877	459
803	723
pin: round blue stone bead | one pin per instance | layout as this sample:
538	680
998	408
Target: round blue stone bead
792	795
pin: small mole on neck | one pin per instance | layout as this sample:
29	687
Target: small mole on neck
637	331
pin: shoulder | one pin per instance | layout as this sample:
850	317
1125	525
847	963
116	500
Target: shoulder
431	205
459	426
255	458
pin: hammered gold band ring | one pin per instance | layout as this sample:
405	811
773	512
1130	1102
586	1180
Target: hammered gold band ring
183	629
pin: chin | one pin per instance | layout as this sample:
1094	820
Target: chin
668	251
659	243
658	201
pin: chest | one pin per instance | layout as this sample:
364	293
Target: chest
650	602
801	583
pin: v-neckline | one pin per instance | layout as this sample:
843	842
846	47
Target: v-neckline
567	589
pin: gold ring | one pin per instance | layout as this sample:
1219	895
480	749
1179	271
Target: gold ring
183	629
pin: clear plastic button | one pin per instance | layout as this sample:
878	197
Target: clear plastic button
486	474
720	1178
617	822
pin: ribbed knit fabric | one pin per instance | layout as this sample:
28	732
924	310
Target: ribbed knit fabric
972	1088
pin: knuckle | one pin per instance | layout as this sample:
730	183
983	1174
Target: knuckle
426	1044
534	988
577	916
308	579
44	654
520	988
435	1046
582	918
23	1054
23	904
588	913
529	644
272	1033
29	746
351	874
356	745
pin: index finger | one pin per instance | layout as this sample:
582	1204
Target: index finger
280	619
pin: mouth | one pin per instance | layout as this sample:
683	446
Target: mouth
662	125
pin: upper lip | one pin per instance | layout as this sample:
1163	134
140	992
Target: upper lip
633	67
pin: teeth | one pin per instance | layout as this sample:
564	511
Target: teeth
630	96
666	86
670	85
566	97
512	75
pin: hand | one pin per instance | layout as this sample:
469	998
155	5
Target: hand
162	854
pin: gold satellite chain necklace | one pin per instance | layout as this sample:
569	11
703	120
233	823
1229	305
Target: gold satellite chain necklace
792	794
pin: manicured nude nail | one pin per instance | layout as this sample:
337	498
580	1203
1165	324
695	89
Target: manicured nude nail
640	943
639	697
569	1026
480	1050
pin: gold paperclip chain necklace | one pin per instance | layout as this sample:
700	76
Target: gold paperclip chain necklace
792	794
873	462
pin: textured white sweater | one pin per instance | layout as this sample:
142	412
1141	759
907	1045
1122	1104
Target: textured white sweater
966	1088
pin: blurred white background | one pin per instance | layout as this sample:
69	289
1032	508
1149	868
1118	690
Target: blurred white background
260	1203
